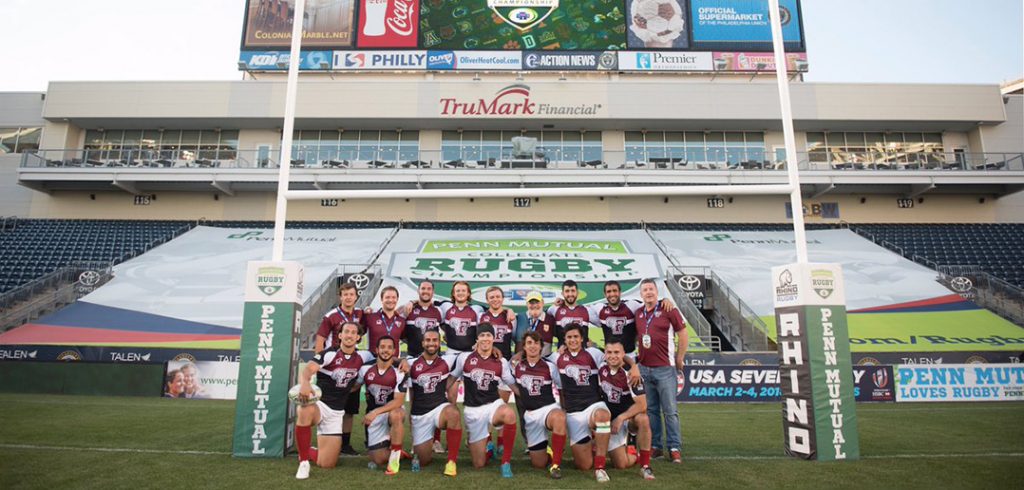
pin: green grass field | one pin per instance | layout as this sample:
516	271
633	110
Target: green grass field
106	442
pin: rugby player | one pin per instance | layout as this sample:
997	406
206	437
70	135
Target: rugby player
460	318
628	406
535	378
422	316
568	312
431	409
337	370
385	396
582	401
481	371
386	322
330	327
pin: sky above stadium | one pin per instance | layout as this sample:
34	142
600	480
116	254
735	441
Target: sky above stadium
890	41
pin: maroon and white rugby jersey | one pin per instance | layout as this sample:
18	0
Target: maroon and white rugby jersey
460	325
334	319
338	373
536	382
420	321
579	377
619	323
428	381
565	316
504	331
618	394
378	325
381	386
481	377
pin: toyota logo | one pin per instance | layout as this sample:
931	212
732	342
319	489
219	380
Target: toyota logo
961	284
689	283
360	281
89	278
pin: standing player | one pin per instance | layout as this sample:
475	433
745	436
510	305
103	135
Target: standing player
386	322
535	320
481	371
385	395
421	317
570	313
330	327
581	399
617	319
337	370
346	311
460	321
628	405
504	323
535	379
431	410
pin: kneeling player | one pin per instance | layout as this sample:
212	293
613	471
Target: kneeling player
481	371
431	410
385	395
535	377
628	405
336	369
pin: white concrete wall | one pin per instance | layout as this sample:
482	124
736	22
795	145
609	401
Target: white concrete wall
1007	137
15	200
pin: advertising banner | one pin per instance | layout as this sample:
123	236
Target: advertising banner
570	60
278	60
474	60
751	61
665	61
325	24
960	383
518	100
721	383
742	24
695	286
269	354
820	421
522	25
201	380
380	60
388	23
657	24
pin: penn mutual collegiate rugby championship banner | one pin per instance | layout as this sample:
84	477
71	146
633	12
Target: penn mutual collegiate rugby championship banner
568	35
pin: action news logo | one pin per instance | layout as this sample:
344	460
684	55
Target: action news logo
388	23
513	100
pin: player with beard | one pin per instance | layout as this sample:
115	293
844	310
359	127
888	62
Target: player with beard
337	370
582	400
628	405
429	377
568	312
330	327
459	320
535	379
385	395
481	371
422	316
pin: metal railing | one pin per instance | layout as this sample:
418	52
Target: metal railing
988	291
497	159
51	291
325	297
692	314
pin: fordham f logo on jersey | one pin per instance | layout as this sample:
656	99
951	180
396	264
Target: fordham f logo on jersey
611	391
579	374
481	377
533	384
430	381
380	394
343	377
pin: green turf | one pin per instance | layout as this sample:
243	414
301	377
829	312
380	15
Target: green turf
726	446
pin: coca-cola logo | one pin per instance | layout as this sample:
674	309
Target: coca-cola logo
400	19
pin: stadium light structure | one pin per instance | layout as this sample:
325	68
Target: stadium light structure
792	187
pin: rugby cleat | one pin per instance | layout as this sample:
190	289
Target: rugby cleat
647	473
450	469
602	476
506	470
438	448
303	471
348	450
555	472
